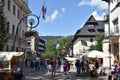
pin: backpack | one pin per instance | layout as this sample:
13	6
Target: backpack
82	63
77	64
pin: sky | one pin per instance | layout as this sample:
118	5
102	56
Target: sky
65	17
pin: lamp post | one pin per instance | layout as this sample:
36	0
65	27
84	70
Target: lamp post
29	25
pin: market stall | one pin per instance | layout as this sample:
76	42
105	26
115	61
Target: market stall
9	64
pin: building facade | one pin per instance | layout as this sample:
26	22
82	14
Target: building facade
14	10
111	43
35	45
85	36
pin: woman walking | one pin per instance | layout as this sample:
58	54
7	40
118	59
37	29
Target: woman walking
67	66
53	67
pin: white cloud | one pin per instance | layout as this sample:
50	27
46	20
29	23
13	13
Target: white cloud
94	3
63	10
53	16
98	17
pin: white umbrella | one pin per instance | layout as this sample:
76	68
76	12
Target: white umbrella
7	56
96	54
71	58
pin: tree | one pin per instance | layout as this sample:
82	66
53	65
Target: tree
3	29
65	44
48	55
98	45
50	51
51	47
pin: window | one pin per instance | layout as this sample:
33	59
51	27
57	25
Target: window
29	44
7	48
12	48
24	18
9	4
100	30
23	33
83	42
13	29
14	10
116	29
22	49
90	25
8	27
3	1
91	30
18	14
17	49
91	39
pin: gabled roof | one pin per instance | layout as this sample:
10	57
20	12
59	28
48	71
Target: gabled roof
91	28
92	20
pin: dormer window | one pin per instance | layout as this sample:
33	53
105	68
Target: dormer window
100	30
90	25
91	30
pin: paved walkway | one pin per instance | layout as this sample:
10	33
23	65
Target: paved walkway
44	75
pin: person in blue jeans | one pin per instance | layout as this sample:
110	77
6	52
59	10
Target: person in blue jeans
82	63
77	65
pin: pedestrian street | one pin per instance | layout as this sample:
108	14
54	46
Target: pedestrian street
44	75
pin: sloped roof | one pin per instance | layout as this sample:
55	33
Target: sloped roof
91	28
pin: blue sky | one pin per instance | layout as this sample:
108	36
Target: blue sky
65	17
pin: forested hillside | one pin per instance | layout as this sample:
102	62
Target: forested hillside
55	38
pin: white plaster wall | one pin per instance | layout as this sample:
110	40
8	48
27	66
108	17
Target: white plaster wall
78	47
32	43
14	21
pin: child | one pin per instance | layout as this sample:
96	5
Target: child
49	67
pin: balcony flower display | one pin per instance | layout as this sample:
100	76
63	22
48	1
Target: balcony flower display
31	33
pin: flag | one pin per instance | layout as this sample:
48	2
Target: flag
42	8
43	11
44	14
106	1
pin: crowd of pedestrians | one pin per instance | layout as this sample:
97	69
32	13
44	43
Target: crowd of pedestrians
54	65
58	65
115	70
85	68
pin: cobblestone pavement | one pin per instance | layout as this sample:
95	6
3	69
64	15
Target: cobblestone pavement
44	75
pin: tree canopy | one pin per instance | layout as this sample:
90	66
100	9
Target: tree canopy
53	50
98	45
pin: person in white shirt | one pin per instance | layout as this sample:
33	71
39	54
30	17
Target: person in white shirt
91	67
49	67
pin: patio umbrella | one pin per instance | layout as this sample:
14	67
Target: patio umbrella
96	54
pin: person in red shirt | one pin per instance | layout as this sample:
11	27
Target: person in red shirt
67	66
53	67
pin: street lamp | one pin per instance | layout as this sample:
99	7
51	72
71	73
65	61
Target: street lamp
30	25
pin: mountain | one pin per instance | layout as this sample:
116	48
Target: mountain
55	38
